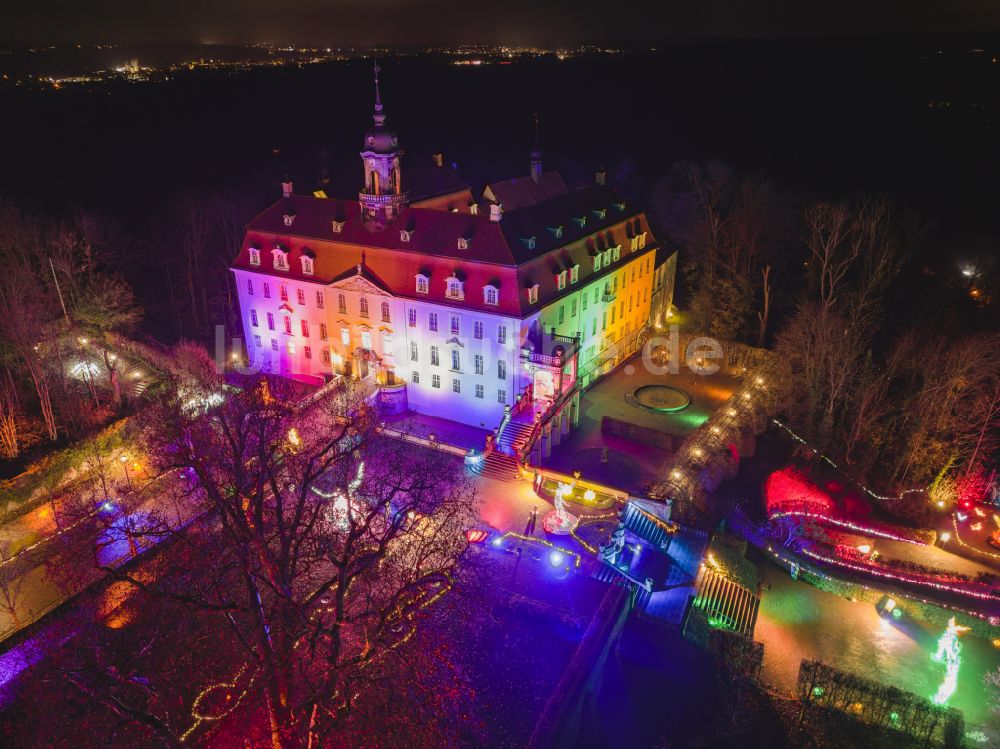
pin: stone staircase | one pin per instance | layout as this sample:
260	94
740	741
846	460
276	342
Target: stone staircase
497	466
516	433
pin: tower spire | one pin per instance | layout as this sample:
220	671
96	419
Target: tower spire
379	117
536	154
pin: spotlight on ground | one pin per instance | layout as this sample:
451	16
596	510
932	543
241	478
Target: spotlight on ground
556	558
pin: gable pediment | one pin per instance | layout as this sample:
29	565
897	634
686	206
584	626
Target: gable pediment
359	285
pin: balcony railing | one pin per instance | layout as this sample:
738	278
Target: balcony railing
563	349
609	296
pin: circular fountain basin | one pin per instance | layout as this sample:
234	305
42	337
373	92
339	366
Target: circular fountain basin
660	398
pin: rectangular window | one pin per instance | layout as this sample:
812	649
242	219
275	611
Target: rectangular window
257	342
288	324
478	359
300	296
254	256
253	317
583	299
319	300
267	290
572	307
411	318
250	286
604	319
290	345
597	262
341	304
477	330
533	294
322	331
415	377
422	285
612	314
501	370
574	274
562	314
326	355
479	391
305	329
593	328
274	344
270	321
435	381
345	336
307	352
456	360
435	360
366	340
502	334
283	291
501	396
456	385
413	351
432	321
454	324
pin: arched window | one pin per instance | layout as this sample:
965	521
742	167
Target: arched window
364	307
385	312
490	294
307	265
341	304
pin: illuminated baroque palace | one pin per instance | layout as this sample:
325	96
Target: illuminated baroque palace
534	290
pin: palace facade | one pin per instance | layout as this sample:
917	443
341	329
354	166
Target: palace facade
534	291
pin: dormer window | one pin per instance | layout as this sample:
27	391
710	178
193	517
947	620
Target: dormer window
597	262
307	265
463	243
620	207
607	257
617	252
337	226
254	256
529	242
600	214
423	283
581	221
491	294
455	288
533	294
642	240
574	273
561	280
405	235
557	231
280	255
288	218
473	209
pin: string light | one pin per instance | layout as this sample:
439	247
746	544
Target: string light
992	620
901	578
542	542
845	524
864	488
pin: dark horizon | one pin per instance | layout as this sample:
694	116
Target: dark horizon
448	22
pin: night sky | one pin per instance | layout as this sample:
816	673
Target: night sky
362	22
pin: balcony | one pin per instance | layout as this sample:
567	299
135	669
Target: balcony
608	296
555	351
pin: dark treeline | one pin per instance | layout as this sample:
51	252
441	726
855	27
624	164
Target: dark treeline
894	361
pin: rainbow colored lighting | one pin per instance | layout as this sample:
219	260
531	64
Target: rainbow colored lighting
845	524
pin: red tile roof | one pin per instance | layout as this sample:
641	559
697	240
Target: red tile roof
498	253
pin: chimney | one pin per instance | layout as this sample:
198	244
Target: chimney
438	158
600	177
496	211
286	189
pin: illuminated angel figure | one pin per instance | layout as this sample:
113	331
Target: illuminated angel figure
949	652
